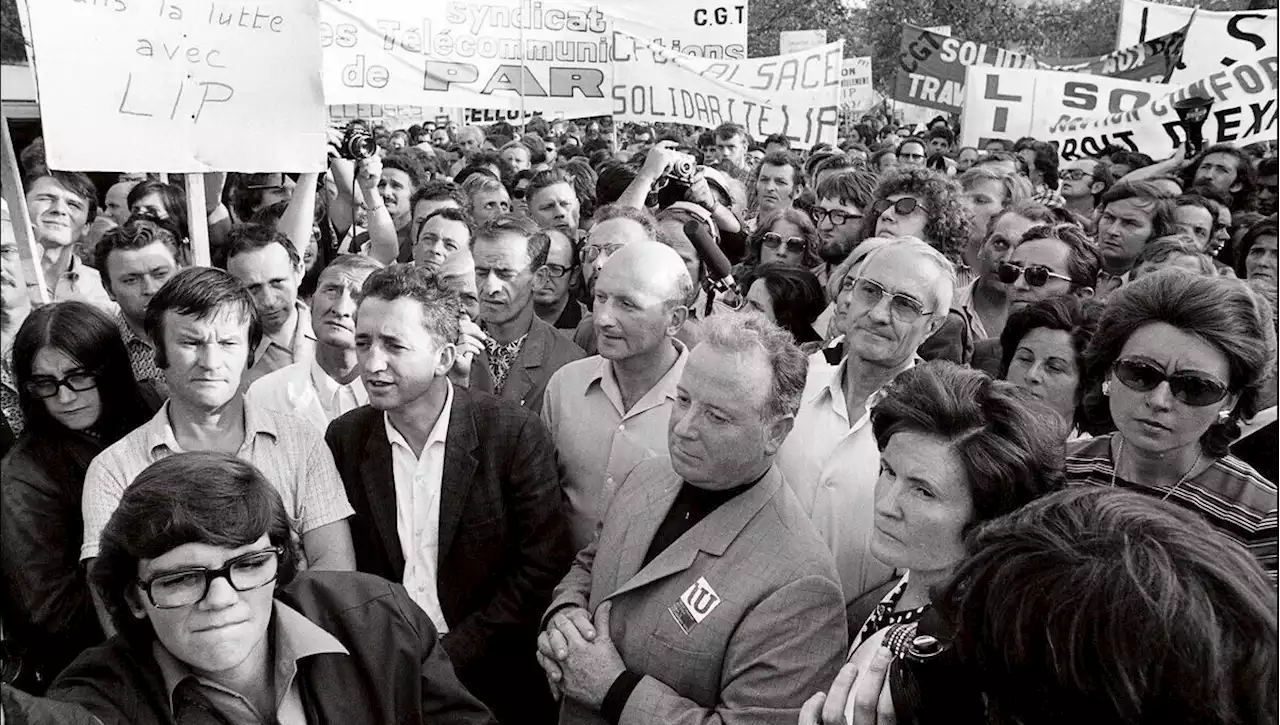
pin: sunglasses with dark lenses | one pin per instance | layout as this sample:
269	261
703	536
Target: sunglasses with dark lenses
1193	388
1036	275
837	216
1074	174
795	245
46	387
518	192
901	207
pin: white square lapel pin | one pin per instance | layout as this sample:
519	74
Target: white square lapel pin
694	605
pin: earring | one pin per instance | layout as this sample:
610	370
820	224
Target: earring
1223	415
1106	387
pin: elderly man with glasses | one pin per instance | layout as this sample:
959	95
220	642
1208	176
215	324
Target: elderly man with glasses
217	625
887	306
553	300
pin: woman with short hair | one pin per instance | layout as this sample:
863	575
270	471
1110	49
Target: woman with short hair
1042	352
1177	362
78	393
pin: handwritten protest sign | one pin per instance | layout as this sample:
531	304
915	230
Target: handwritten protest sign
555	56
1085	113
1220	38
796	95
931	66
174	86
855	83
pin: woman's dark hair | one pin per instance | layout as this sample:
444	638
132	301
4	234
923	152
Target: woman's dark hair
1109	607
1223	312
87	335
947	229
765	225
797	297
1009	444
206	498
1256	231
172	198
1066	313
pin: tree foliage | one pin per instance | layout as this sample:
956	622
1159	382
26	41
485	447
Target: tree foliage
12	47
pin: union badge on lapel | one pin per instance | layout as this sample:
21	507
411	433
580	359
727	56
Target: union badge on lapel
694	605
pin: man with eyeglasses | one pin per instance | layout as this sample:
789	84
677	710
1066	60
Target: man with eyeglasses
888	305
521	351
552	299
218	625
1081	182
912	152
842	197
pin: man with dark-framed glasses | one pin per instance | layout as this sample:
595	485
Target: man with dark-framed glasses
887	306
216	625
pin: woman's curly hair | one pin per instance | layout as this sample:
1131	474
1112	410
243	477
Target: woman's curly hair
949	221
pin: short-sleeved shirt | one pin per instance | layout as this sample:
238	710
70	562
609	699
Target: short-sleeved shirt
294	638
1234	498
597	441
286	449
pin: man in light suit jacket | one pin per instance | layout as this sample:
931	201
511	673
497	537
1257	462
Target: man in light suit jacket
455	492
521	351
707	595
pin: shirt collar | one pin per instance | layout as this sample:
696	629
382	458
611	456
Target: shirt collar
301	331
835	384
666	385
126	331
295	637
439	431
327	387
159	431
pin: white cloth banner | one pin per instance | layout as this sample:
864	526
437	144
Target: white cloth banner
176	86
1084	113
855	83
795	95
552	56
1216	39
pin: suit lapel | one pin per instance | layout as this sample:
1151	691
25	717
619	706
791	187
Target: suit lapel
460	445
533	354
378	478
711	535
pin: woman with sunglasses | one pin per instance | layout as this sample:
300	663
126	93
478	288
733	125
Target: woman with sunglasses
1177	362
917	202
786	237
77	391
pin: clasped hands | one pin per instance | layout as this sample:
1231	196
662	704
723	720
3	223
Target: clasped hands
578	656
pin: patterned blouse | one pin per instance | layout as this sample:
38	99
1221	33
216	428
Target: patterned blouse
883	615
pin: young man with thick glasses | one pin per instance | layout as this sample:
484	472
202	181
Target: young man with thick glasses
888	307
216	625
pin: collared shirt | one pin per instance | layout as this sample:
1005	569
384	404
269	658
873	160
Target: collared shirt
287	450
81	283
304	389
294	638
418	481
597	440
142	357
500	359
285	348
9	394
962	302
831	462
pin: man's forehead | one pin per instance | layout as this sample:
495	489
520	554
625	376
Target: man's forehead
346	277
618	230
899	269
1041	249
222	319
829	203
46	184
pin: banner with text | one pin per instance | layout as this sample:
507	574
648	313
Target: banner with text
1085	113
855	83
797	95
553	56
172	86
931	66
1220	38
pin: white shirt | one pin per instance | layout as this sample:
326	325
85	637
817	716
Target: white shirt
418	482
831	461
304	389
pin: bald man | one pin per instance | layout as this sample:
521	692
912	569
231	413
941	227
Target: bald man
608	412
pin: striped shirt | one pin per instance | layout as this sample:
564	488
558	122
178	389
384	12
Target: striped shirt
286	449
1232	496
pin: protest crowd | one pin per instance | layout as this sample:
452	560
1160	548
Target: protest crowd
584	420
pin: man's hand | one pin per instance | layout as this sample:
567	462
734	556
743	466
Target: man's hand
860	694
552	646
369	173
592	664
656	163
699	192
470	342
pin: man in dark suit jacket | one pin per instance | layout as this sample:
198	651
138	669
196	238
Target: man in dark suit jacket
455	492
521	351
